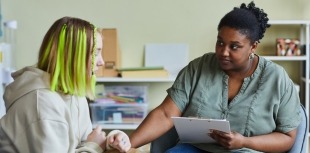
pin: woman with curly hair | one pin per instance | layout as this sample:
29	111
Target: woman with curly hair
254	94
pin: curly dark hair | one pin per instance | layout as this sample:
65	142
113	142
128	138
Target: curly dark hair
248	19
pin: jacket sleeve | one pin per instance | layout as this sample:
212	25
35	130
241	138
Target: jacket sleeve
48	136
52	136
89	147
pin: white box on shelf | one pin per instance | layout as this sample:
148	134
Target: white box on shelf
172	56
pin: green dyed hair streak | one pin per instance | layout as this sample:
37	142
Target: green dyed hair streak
93	75
60	49
61	80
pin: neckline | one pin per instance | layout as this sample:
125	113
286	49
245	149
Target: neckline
251	71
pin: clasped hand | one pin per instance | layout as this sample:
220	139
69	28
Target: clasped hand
116	139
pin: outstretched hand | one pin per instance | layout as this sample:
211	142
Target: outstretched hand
232	140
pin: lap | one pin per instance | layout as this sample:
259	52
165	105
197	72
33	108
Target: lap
185	148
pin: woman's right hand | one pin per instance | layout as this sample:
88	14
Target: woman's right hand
232	140
98	136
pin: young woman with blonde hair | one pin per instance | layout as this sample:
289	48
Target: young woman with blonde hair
47	109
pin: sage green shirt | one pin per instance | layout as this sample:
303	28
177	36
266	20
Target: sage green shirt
267	101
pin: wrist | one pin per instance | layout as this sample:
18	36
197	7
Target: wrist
245	142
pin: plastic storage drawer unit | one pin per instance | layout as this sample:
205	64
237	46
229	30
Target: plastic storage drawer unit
117	113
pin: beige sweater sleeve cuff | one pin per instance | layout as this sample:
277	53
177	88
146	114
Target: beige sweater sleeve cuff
89	147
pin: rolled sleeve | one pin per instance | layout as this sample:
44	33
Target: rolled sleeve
289	114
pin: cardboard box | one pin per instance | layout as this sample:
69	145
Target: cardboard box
110	54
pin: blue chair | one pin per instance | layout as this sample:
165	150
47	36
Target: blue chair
302	135
170	138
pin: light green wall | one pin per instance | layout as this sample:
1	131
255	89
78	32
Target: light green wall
138	22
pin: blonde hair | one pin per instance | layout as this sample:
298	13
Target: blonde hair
67	54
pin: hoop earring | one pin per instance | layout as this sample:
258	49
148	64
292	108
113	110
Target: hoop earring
251	56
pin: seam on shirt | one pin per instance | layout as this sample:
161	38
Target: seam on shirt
254	101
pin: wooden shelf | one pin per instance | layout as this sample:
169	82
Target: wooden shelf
304	35
121	126
289	22
286	58
119	79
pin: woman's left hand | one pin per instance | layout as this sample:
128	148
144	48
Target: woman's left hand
232	140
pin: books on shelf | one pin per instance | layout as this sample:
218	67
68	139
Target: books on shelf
119	94
143	72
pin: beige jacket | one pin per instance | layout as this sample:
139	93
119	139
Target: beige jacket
41	121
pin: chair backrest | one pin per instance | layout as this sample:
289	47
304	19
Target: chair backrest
170	138
300	145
